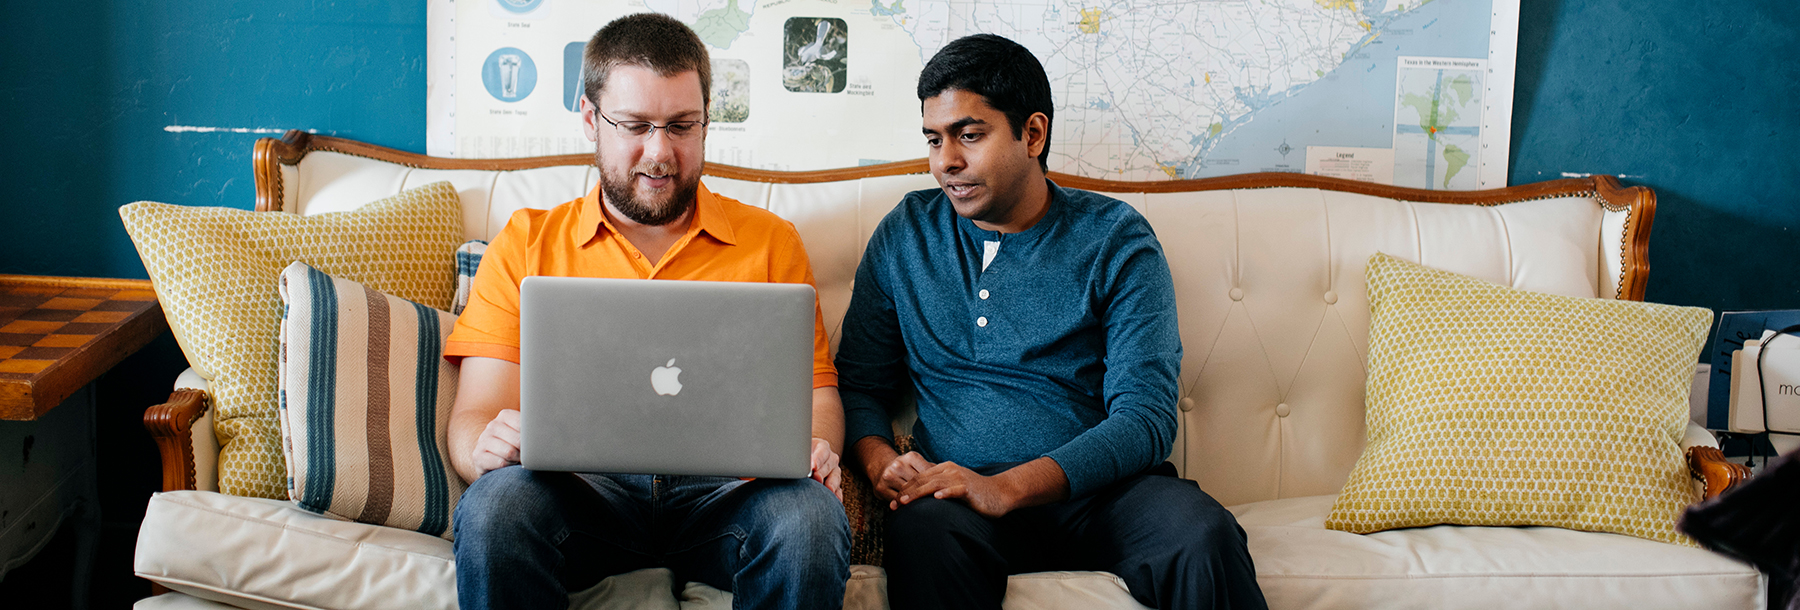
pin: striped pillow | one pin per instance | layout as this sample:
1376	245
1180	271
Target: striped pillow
365	404
468	260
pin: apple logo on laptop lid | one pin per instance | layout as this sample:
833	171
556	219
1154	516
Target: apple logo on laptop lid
666	379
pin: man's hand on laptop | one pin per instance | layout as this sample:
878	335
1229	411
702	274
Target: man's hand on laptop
498	446
825	467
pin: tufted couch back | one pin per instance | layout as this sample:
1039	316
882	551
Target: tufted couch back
1268	269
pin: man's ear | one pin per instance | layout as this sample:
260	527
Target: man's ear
589	126
1037	133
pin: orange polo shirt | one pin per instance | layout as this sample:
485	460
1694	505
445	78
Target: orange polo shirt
727	241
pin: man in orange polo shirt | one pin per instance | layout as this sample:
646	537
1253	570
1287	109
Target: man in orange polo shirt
524	538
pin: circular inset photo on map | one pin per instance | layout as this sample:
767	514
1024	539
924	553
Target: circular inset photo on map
730	91
509	74
527	10
815	51
519	6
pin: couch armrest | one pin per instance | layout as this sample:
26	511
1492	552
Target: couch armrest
173	424
205	441
1708	464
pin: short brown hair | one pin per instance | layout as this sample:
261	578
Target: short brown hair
648	40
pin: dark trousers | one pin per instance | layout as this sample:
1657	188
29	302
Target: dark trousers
1174	546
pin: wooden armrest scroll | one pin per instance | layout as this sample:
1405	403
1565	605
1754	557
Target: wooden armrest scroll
1634	252
1709	465
171	424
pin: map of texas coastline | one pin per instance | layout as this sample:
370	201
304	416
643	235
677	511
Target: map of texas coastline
1150	88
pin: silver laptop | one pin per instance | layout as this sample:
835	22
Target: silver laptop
666	377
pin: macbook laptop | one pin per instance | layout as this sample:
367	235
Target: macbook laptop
666	377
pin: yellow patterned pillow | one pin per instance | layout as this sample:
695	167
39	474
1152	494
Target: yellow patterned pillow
1494	406
216	269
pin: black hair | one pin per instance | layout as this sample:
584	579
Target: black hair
1000	70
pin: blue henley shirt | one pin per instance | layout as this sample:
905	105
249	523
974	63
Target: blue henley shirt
1065	346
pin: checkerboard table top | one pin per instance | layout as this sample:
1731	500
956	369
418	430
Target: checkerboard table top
59	333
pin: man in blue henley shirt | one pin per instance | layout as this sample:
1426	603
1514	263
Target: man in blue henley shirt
1036	328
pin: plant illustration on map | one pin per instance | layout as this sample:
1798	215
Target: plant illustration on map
1437	125
730	91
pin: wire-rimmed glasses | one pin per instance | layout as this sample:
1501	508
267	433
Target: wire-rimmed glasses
675	130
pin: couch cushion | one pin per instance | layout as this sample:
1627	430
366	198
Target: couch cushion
259	553
178	601
215	271
1495	406
1301	564
365	403
252	552
229	548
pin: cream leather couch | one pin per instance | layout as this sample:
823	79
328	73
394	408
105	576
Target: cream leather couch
1274	319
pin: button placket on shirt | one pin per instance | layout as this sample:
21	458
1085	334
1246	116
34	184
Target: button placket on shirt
981	308
981	320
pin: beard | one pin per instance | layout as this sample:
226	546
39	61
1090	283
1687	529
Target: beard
652	210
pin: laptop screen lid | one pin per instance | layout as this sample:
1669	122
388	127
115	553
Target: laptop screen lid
666	377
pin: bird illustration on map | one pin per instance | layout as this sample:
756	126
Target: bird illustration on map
814	58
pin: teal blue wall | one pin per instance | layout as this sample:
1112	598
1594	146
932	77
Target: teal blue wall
1697	100
90	86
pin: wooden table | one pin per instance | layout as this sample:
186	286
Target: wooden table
59	333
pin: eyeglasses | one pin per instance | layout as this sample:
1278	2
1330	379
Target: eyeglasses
676	130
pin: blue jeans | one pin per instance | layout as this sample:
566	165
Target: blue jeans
524	538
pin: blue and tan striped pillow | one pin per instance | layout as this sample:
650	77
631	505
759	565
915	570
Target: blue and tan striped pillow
468	261
365	403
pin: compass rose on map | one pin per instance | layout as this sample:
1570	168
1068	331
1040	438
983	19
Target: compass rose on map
1284	149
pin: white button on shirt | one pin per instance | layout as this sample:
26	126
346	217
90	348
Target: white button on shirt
983	294
981	321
